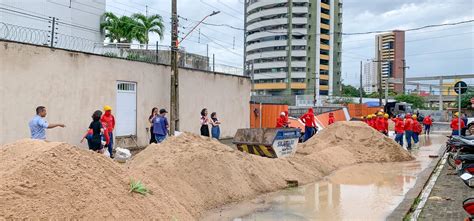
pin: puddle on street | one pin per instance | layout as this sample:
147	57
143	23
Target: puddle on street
360	192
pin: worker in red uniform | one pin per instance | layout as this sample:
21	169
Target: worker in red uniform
385	120
282	120
331	118
427	122
370	122
380	123
109	120
408	126
399	130
309	124
455	124
416	129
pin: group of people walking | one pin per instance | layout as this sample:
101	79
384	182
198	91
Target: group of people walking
406	126
100	134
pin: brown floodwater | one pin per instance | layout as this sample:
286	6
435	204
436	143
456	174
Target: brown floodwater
359	192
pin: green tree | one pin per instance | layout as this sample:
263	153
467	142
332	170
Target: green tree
119	29
351	91
466	99
416	100
144	25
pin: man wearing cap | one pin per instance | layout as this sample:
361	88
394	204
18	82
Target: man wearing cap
108	120
160	126
408	126
455	124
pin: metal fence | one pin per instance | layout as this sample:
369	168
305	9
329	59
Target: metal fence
153	53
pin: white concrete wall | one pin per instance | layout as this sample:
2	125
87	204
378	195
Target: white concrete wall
72	85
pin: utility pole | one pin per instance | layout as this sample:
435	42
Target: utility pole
404	74
174	99
207	55
360	88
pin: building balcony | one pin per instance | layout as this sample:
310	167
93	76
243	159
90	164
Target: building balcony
326	16
325	47
270	86
325	6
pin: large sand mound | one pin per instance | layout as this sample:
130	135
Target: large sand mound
203	173
363	143
188	175
59	181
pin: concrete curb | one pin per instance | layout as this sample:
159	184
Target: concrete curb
404	207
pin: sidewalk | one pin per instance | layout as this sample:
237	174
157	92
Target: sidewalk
445	201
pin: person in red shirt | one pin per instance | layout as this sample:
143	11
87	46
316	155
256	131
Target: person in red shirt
427	122
385	118
282	120
416	129
455	124
310	125
331	118
380	123
370	121
109	120
399	130
408	126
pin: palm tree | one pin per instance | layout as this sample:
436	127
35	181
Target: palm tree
111	27
146	25
118	29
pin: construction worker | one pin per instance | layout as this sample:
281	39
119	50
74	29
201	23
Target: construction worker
373	120
416	129
331	118
310	125
385	117
282	121
364	119
109	120
455	124
380	123
399	130
427	122
408	126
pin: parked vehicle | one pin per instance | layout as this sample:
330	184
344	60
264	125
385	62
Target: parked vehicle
458	145
468	206
395	108
465	168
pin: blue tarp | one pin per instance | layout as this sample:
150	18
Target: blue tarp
372	104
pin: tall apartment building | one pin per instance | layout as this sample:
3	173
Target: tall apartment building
390	59
369	78
292	44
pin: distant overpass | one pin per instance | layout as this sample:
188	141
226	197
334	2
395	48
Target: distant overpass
441	99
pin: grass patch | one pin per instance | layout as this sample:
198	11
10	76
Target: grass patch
138	187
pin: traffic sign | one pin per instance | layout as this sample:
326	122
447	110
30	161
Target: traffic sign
460	87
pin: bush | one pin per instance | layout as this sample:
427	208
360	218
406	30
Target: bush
110	54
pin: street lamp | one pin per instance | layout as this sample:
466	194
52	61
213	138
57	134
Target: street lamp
202	20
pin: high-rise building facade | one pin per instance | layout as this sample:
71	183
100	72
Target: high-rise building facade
369	78
390	60
293	44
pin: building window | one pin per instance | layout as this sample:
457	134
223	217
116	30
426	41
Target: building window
325	11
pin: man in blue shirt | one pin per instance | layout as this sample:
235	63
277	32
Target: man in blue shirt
160	126
38	124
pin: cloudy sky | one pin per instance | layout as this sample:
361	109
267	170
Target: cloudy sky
444	50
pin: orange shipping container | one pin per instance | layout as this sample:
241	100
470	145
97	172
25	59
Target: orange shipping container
265	115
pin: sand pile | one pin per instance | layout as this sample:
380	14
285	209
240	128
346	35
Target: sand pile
353	142
203	174
188	175
59	181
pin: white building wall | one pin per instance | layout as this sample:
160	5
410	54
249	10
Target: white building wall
80	19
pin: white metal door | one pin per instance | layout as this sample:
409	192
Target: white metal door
126	112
